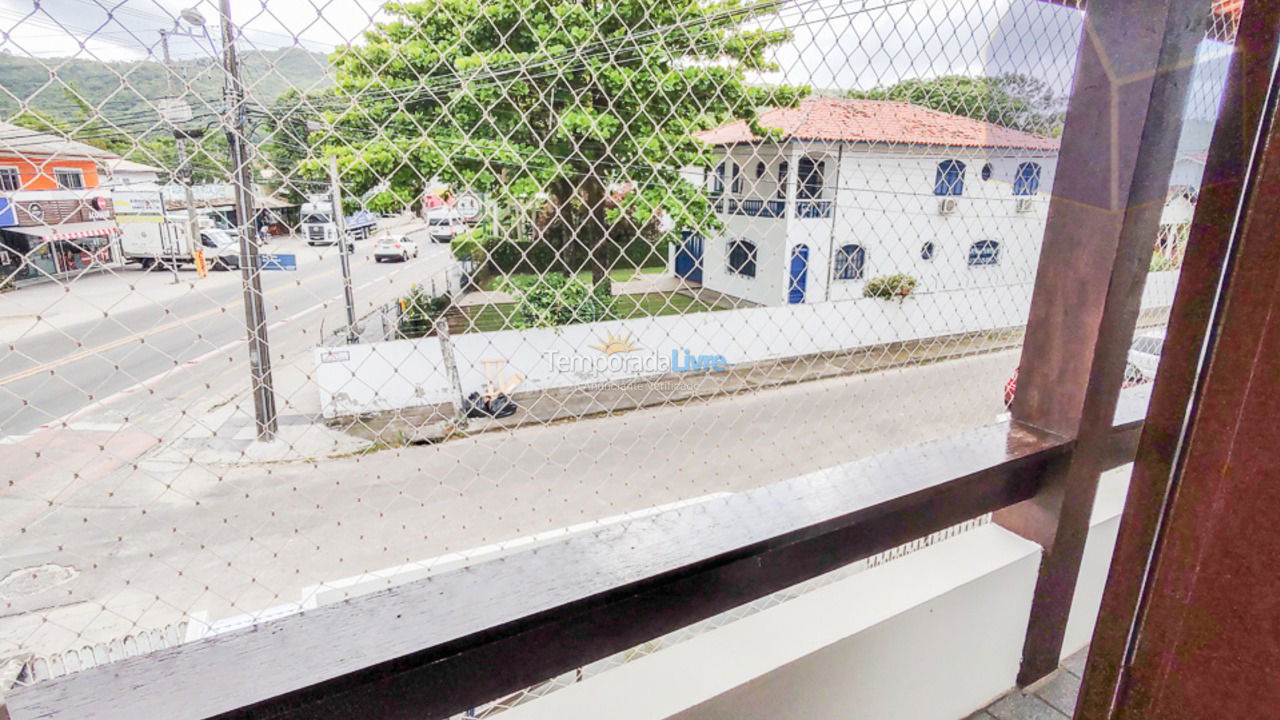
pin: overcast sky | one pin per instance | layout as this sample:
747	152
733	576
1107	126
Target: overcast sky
838	43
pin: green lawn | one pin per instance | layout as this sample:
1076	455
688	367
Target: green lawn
523	280
486	318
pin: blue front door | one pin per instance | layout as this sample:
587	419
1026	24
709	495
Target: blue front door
799	273
689	258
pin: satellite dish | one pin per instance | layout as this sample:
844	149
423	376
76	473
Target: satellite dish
192	16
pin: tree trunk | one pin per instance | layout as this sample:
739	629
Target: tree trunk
595	233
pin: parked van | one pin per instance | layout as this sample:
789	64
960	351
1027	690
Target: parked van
444	224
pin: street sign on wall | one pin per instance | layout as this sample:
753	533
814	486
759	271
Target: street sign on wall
468	206
278	261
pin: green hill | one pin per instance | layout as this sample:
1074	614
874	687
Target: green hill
119	90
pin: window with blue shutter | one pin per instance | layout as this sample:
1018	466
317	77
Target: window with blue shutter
1027	181
984	252
851	262
950	178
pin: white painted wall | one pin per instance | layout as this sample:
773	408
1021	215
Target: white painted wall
385	376
884	201
932	635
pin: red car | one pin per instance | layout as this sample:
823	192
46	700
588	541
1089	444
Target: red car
1132	376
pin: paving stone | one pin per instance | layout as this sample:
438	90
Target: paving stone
1016	706
1060	691
1075	663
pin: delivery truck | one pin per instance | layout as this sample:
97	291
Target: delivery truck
163	242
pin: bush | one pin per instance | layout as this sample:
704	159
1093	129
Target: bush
418	312
889	287
557	300
1161	262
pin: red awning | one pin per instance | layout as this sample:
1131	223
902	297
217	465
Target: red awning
69	231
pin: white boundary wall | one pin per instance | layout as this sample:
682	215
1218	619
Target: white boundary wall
400	374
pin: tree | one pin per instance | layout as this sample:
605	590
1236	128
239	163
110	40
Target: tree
587	107
1013	100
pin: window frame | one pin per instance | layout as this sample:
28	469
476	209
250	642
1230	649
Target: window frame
944	184
1027	185
17	178
844	267
976	253
58	173
739	267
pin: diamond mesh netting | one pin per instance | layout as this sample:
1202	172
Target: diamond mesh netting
301	300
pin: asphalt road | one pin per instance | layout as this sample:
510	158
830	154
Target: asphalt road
144	544
73	360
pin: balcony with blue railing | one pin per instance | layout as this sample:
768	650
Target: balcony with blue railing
758	207
813	208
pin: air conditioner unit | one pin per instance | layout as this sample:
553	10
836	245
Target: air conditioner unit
947	206
1025	205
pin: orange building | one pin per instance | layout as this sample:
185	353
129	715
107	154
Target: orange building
55	217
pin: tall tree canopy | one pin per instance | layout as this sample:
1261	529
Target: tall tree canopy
1013	100
590	105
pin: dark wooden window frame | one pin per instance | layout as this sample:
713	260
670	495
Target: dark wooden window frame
438	646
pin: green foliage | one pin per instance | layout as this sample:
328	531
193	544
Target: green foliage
419	310
553	299
1013	100
474	245
129	89
1161	262
889	287
111	105
598	139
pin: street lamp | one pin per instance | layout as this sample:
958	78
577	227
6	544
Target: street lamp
192	16
178	111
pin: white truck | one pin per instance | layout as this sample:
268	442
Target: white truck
319	228
159	244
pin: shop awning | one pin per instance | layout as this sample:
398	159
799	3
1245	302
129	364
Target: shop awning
68	231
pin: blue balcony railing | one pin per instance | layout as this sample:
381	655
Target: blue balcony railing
752	207
813	208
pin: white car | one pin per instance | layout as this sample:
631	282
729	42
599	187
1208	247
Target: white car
1144	356
445	225
396	247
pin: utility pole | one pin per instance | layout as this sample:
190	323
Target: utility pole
255	316
340	220
191	211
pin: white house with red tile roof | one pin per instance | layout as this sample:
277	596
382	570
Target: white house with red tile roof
855	189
